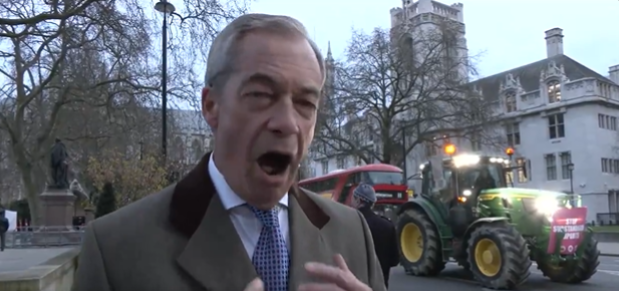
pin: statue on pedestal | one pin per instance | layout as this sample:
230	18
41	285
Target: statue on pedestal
60	166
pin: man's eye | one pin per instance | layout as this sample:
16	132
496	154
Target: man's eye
308	104
259	94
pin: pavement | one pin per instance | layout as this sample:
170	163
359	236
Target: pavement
12	260
455	278
609	248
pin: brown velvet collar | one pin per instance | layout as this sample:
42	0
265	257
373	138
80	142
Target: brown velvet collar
193	194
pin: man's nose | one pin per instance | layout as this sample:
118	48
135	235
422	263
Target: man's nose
283	120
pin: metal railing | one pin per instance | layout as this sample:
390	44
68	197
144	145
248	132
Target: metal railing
605	219
48	236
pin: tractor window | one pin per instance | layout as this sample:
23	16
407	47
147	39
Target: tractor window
448	178
445	193
468	178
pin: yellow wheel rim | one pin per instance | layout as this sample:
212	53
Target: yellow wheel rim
554	267
412	242
488	257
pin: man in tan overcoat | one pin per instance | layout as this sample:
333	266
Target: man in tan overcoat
238	221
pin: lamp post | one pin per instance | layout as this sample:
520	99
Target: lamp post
141	149
404	141
166	9
571	167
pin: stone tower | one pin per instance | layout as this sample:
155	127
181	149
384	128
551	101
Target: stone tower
328	88
411	25
425	15
329	71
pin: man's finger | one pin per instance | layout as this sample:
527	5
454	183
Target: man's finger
331	274
255	285
336	276
340	262
319	287
323	270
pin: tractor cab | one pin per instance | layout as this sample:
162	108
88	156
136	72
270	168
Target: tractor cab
466	177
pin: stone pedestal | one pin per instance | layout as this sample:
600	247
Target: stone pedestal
89	213
57	207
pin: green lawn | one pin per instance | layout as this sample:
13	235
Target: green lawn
605	228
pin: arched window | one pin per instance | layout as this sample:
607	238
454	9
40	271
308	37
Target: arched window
406	50
177	153
510	101
553	91
211	144
197	150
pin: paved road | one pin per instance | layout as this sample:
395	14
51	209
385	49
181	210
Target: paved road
454	278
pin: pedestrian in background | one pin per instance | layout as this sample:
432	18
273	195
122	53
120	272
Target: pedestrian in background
382	229
4	227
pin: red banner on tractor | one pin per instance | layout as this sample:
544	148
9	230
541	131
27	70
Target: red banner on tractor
571	222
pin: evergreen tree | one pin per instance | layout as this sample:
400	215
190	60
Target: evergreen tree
107	201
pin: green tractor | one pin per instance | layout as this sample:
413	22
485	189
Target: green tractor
493	230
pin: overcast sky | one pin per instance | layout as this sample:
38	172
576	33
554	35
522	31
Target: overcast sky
507	33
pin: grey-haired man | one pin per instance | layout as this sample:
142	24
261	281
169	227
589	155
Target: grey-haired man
238	217
382	229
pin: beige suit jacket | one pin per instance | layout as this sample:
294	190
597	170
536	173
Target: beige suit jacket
183	239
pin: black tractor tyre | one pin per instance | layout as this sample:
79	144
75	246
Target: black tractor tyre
514	255
576	271
430	263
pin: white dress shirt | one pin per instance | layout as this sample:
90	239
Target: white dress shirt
247	225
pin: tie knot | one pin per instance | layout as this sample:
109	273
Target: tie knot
269	218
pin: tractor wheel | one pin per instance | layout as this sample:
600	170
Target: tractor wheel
419	244
576	271
498	256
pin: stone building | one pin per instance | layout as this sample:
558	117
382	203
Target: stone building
407	22
190	137
562	119
560	116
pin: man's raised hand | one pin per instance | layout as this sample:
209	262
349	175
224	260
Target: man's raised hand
255	285
336	278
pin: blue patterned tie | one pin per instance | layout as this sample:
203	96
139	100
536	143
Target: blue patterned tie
271	259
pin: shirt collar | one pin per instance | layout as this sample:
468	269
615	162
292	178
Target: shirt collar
228	197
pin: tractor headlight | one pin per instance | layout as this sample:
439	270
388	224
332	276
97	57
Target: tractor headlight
465	160
466	193
547	206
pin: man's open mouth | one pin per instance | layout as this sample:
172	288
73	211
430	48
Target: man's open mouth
274	163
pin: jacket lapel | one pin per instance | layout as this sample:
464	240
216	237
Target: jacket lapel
215	255
306	220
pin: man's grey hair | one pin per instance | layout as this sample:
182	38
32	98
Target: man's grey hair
224	49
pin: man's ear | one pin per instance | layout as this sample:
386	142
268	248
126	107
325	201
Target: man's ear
210	107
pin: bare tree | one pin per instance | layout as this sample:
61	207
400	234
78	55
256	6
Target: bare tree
305	171
396	91
9	190
66	63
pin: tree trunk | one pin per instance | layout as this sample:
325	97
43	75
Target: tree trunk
32	179
32	193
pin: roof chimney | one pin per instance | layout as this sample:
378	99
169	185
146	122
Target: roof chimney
555	44
613	73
